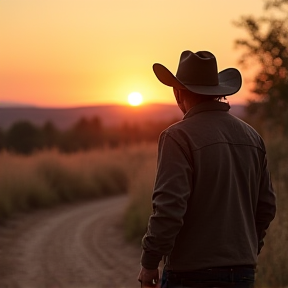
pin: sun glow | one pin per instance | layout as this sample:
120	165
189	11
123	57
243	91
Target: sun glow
135	99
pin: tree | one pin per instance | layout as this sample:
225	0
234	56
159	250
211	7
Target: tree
2	137
23	137
267	44
50	135
86	134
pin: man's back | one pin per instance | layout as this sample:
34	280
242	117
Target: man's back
226	166
227	156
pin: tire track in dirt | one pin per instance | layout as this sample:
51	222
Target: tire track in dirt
73	246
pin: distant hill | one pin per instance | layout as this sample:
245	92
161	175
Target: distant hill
110	115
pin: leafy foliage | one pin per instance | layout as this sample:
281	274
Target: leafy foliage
267	45
23	137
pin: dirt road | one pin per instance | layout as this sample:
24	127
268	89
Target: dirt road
72	246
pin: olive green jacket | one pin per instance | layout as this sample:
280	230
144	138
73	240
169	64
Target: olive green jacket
213	198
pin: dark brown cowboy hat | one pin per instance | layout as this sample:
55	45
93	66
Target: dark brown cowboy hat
198	73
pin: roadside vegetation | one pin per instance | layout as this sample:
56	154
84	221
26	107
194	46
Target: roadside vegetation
48	178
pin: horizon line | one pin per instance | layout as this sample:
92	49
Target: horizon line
10	104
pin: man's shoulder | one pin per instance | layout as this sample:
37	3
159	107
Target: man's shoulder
248	127
177	132
173	128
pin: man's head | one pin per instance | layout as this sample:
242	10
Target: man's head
186	99
197	78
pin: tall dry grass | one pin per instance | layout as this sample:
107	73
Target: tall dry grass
272	270
48	178
140	192
273	260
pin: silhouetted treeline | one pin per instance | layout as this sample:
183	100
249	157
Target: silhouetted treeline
24	137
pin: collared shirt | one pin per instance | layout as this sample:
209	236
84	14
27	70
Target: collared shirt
213	198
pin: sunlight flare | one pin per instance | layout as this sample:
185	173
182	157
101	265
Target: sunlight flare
135	99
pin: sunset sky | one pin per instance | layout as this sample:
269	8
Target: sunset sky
88	52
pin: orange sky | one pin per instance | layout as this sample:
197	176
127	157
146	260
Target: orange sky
81	52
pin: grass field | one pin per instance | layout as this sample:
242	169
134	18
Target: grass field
48	178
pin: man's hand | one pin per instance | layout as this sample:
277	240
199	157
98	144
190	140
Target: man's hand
149	278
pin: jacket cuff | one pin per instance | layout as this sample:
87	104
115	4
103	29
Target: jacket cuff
150	260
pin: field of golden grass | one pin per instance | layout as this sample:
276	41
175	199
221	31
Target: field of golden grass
48	178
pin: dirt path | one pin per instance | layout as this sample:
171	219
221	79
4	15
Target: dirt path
73	246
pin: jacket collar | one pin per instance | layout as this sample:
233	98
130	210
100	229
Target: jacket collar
207	106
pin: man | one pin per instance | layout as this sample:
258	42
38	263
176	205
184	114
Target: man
213	199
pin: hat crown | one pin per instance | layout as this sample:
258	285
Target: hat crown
198	73
198	68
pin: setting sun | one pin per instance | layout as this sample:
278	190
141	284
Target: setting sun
135	98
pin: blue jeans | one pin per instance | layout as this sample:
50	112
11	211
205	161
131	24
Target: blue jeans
208	278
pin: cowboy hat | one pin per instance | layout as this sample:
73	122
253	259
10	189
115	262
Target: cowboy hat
198	73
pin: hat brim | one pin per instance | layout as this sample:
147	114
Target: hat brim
230	82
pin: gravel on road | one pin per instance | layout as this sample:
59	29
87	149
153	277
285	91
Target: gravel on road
77	245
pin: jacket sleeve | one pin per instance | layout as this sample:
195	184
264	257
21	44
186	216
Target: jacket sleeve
266	206
172	189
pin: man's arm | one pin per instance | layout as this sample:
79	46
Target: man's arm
172	189
266	206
